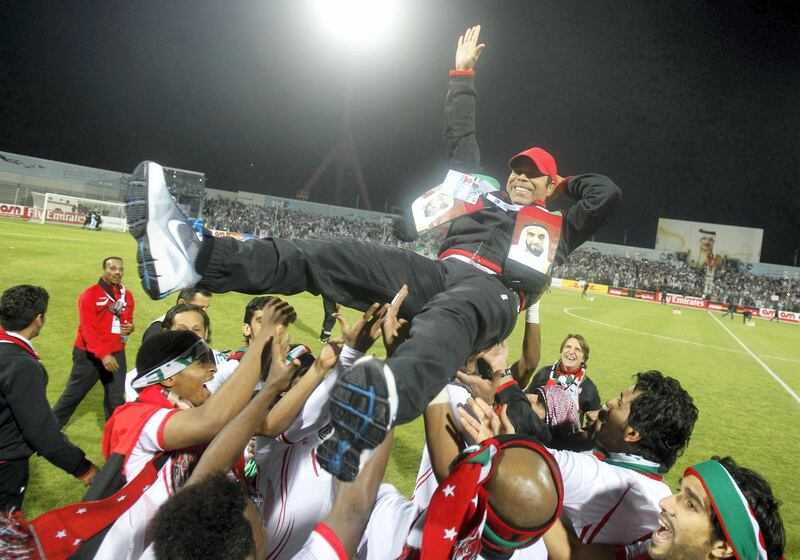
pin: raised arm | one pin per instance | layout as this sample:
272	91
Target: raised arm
460	104
598	197
227	445
523	369
199	425
354	501
284	413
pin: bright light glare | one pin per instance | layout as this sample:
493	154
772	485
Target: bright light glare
357	22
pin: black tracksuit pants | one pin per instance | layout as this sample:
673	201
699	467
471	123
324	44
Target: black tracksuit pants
13	482
328	321
457	310
87	369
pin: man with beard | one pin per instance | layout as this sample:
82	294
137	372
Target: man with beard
612	496
721	510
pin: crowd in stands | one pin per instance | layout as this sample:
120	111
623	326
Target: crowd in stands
675	275
273	221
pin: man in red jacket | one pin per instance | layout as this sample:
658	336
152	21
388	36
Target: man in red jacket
106	320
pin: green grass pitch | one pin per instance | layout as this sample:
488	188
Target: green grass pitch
744	412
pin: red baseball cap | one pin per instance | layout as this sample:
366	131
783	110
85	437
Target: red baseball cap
545	162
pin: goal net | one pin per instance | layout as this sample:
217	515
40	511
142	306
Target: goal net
73	210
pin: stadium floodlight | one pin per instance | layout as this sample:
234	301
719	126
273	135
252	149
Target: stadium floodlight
357	23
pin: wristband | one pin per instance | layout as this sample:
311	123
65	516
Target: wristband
532	314
462	72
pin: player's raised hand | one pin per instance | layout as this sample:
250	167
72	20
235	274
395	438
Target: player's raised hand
497	356
468	50
328	357
281	371
362	334
479	421
394	329
276	313
477	386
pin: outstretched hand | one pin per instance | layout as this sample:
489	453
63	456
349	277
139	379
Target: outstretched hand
363	334
281	373
488	424
469	50
328	356
497	356
276	313
394	330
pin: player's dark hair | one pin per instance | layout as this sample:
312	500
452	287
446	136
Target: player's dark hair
584	344
187	294
105	260
254	305
169	318
20	305
162	347
758	494
664	415
204	521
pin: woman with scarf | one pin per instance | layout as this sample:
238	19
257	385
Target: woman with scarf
569	372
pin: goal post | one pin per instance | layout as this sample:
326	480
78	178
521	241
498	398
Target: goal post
55	208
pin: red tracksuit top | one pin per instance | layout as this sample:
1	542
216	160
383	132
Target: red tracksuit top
94	328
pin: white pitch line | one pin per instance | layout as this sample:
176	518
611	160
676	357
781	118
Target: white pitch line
567	310
756	358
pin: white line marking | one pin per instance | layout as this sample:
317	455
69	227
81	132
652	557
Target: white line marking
756	358
568	310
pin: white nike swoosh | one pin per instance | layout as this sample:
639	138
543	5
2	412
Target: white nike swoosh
173	229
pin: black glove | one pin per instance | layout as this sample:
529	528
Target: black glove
403	228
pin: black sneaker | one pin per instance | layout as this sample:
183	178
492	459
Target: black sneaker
363	406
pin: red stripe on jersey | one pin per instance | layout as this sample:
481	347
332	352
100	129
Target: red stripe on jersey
606	517
332	539
422	480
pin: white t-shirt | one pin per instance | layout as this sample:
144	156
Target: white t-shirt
127	539
607	504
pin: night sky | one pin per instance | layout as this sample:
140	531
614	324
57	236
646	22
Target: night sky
691	107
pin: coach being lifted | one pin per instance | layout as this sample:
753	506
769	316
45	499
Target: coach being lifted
461	304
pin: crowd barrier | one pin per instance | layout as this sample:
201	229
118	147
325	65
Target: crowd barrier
699	303
57	216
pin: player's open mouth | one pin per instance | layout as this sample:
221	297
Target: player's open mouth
521	190
664	532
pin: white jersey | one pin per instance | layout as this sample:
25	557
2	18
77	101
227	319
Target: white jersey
297	492
392	519
127	539
608	504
